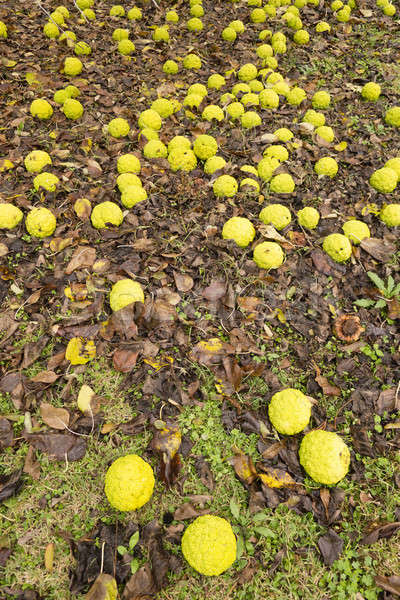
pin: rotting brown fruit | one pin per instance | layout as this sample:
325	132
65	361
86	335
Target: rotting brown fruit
348	328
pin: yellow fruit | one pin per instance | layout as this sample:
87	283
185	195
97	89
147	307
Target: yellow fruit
325	133
82	48
51	30
315	118
72	66
268	255
322	26
117	11
282	184
124	292
225	186
356	231
250	99
247	72
205	146
191	61
308	217
250	183
155	149
182	160
72	109
289	411
240	230
237	26
126	179
321	100
276	215
394	163
229	34
150	118
41	108
128	163
172	16
120	34
80	351
384	180
163	107
179	142
106	214
214	163
36	160
40	222
129	482
212	111
135	14
390	215
170	67
337	246
132	195
295	96
283	134
194	24
324	456
10	216
118	127
126	47
47	181
371	91
60	96
209	545
235	110
301	37
326	166
279	152
392	116
266	167
250	119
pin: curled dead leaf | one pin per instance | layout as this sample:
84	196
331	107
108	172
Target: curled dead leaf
57	418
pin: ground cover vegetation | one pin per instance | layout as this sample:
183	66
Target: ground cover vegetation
200	300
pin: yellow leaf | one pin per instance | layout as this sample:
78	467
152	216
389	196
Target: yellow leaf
157	365
276	478
371	209
6	164
341	146
280	315
49	557
85	397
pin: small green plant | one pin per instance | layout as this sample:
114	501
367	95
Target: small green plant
135	563
388	290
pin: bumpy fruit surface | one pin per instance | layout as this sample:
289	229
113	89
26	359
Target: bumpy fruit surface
325	133
205	146
250	119
118	127
126	47
269	99
247	72
314	117
324	456
289	411
191	61
276	215
132	195
283	134
390	215
235	110
326	166
41	108
182	160
240	230
129	482
268	255
266	167
282	184
209	545
212	111
296	96
371	91
126	179
72	109
394	163
36	160
384	180
279	152
228	34
10	216
308	217
155	149
392	116
170	67
72	66
40	222
356	231
128	163
163	107
80	351
215	163
225	186
124	292
47	181
321	100
150	118
106	214
338	247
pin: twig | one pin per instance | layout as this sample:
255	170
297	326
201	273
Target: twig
81	11
102	557
49	15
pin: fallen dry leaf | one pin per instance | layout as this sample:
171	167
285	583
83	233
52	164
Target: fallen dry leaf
57	418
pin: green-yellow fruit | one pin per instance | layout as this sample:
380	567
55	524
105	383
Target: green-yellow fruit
216	81
182	159
40	222
315	118
172	16
237	25
205	146
126	47
150	118
235	110
209	545
118	127
250	99
268	255
250	119
197	10
326	166
390	215
60	96
191	61
36	160
128	163
125	292
155	149
325	133
321	100
41	108
247	72
129	483
135	14
214	163
72	66
324	456
132	195
117	11
72	109
161	34
126	179
371	91
47	181
322	26
282	184
266	168
163	107
392	116
10	216
106	214
170	67
240	230
212	111
279	152
337	246
308	217
269	99
276	215
301	37
253	187
225	186
51	30
194	24
283	134
296	96
356	231
384	180
179	142
258	16
394	163
289	411
82	48
228	34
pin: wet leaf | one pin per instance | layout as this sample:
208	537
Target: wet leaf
93	167
125	360
57	418
31	465
390	584
378	249
215	291
188	511
327	388
45	377
244	467
381	531
6	433
276	478
104	588
32	351
58	445
10	484
82	258
167	441
330	546
183	282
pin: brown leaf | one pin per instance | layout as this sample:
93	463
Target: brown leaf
248	303
57	418
327	388
167	441
233	372
378	249
33	350
393	306
122	321
104	588
208	352
124	360
204	472
6	433
49	557
8	327
390	584
31	465
140	585
276	478
188	511
45	377
244	467
330	546
82	258
183	282
215	291
272	450
10	484
388	400
382	531
321	262
93	167
58	445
